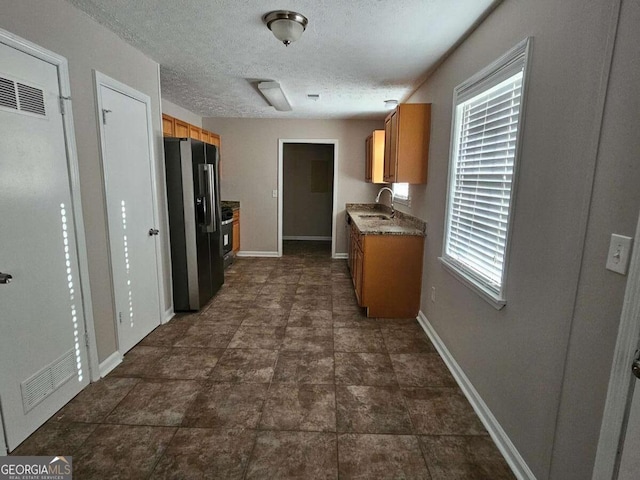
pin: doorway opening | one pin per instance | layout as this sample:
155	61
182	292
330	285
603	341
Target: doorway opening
307	178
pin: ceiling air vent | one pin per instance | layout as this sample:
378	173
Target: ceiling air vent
8	98
31	99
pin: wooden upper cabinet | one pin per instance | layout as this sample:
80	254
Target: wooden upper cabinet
375	145
181	129
406	152
195	132
168	126
174	127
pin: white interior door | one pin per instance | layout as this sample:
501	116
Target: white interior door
127	159
43	353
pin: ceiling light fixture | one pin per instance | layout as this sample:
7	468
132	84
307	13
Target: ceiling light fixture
390	104
275	96
286	26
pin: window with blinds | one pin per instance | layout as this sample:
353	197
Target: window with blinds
486	127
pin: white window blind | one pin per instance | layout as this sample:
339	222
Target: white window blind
483	159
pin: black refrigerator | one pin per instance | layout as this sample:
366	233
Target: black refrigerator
193	197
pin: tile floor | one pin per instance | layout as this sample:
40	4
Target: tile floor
280	376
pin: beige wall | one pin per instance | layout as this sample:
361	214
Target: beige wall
307	203
542	363
61	28
249	170
177	111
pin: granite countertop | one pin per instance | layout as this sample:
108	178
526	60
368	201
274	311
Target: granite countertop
231	204
401	224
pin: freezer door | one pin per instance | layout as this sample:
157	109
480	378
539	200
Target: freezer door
215	236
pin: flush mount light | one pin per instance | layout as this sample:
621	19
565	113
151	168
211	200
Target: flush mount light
275	96
390	104
286	26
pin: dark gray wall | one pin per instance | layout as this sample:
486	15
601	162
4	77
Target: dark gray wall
307	200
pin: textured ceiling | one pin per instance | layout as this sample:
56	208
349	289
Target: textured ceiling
354	53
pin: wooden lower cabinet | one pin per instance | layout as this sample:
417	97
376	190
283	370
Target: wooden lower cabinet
236	231
387	273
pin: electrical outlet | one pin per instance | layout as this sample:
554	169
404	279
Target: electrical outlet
433	294
274	193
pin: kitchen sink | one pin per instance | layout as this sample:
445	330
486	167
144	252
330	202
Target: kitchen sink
375	216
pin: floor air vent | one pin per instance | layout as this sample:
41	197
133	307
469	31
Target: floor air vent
39	386
21	98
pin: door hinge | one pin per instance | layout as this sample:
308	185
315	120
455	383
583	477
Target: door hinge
86	340
120	317
63	109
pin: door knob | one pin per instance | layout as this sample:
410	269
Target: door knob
5	278
153	231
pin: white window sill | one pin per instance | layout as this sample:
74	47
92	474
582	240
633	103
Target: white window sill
403	201
472	283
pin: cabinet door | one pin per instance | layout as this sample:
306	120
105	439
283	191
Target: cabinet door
215	139
390	147
358	272
376	166
168	126
236	231
205	136
391	162
195	132
181	129
368	165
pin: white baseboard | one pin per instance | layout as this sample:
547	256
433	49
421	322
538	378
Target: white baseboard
499	436
307	238
111	362
168	315
341	256
245	253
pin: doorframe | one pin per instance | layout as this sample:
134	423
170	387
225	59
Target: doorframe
621	381
62	68
100	79
334	208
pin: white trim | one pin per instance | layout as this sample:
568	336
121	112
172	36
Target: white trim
621	381
334	212
3	442
164	237
509	451
62	66
247	253
111	362
307	238
101	79
463	276
168	315
341	256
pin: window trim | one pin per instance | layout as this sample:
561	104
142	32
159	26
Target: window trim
473	86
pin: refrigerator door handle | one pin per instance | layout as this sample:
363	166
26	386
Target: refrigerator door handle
211	197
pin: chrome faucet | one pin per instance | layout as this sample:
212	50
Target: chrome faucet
393	212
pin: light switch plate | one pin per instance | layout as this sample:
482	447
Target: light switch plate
274	193
619	254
